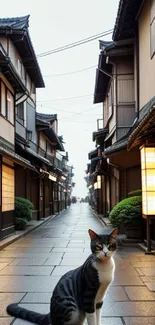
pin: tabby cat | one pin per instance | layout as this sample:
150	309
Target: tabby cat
79	293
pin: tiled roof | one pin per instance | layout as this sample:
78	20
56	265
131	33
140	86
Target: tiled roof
15	23
146	116
126	19
117	146
17	30
8	152
46	117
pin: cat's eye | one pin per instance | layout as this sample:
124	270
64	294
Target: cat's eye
98	247
112	246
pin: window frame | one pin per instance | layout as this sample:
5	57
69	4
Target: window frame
21	119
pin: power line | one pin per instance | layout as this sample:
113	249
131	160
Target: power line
71	45
64	111
62	99
68	73
77	43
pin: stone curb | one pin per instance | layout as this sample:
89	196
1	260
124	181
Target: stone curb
102	221
5	242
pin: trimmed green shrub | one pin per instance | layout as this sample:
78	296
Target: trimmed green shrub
23	208
127	212
20	223
135	193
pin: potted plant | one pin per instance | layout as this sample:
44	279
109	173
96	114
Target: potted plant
128	213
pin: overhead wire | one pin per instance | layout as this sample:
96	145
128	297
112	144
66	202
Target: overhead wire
68	73
77	43
71	45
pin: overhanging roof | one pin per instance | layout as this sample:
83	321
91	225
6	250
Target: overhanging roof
17	30
144	128
46	117
125	24
104	70
53	137
102	79
44	120
7	152
10	72
100	134
93	153
117	146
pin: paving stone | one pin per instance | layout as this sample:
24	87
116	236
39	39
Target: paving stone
73	261
6	320
8	298
61	270
146	264
151	286
77	245
119	309
37	297
111	321
27	270
117	294
29	249
148	279
27	283
53	260
139	293
2	265
139	320
41	308
6	260
148	271
67	249
122	278
29	261
147	258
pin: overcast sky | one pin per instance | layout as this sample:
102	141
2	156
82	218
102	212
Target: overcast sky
54	23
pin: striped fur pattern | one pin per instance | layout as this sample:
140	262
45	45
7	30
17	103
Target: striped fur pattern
79	293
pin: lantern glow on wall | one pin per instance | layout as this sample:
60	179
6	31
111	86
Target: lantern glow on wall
148	180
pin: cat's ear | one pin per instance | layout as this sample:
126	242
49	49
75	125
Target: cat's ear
114	233
92	234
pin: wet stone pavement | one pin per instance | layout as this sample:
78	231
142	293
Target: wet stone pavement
31	267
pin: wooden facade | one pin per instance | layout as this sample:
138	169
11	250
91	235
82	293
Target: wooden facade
29	167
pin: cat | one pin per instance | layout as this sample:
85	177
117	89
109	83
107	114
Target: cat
79	293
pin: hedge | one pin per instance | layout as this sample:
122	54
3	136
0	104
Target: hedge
23	208
127	212
135	193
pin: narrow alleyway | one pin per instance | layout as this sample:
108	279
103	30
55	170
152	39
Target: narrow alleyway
31	266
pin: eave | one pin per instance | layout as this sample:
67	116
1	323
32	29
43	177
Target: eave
93	153
125	25
8	153
53	137
144	128
99	135
19	35
116	147
102	79
8	70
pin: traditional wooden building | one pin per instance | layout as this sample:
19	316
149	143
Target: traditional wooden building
138	23
30	164
18	81
115	88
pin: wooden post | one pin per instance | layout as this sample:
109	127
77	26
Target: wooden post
148	252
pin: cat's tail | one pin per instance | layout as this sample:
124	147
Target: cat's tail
31	316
